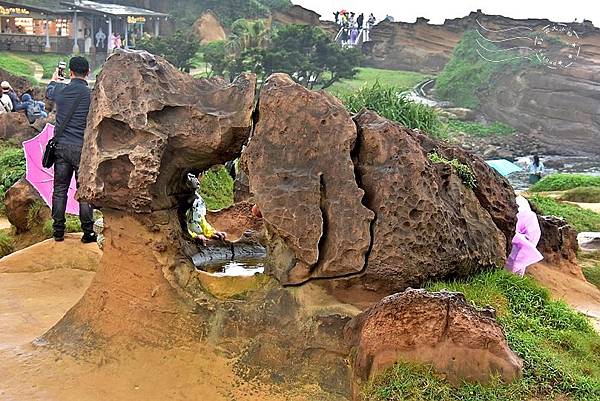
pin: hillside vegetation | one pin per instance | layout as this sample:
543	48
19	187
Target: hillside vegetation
467	72
563	182
559	348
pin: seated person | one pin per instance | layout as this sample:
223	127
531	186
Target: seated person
198	227
33	108
9	96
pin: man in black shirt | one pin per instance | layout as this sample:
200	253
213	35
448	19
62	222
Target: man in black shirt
72	105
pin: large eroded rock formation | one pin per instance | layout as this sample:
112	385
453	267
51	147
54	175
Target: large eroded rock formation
416	222
150	124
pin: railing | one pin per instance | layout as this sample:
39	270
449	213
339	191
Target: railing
363	36
37	44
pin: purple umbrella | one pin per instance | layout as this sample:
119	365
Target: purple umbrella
43	179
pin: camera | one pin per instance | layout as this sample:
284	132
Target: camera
61	69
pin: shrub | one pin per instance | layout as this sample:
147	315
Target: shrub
389	103
480	130
12	168
558	345
465	172
582	194
581	219
216	188
591	271
7	244
467	73
563	182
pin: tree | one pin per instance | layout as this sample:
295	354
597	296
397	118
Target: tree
178	49
308	54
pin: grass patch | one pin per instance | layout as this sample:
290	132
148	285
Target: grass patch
479	129
48	61
591	271
216	188
581	219
12	168
402	80
16	65
582	194
467	73
558	345
388	103
564	182
7	244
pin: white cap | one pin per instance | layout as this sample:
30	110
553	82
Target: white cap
5	85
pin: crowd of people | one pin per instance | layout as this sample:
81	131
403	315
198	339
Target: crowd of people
10	102
352	26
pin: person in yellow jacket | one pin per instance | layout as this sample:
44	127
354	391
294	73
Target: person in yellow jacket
198	227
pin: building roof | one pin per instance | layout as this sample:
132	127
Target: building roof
116	10
40	6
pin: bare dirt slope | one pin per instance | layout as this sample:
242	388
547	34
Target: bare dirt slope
567	286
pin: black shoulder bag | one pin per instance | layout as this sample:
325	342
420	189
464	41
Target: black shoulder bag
50	153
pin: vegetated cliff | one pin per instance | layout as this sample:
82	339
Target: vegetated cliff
561	104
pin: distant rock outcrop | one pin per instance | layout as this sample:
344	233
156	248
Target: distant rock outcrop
559	104
208	28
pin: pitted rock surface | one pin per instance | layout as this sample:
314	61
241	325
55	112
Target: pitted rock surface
494	192
428	223
150	124
301	173
441	329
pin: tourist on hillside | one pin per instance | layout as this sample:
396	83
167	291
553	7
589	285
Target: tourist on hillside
370	24
72	106
337	17
8	91
34	109
5	100
360	21
353	35
536	169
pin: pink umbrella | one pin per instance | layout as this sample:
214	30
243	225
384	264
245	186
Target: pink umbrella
43	179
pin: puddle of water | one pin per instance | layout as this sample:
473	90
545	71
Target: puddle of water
237	268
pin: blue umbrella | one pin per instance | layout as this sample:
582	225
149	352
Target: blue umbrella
503	166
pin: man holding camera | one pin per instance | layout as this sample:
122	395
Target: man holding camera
72	106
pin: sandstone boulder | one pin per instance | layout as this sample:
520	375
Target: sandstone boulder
24	204
558	242
302	176
441	329
150	124
208	28
427	222
15	127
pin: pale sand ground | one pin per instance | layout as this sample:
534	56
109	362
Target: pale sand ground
4	223
33	301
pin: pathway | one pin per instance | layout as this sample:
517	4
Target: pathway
4	223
